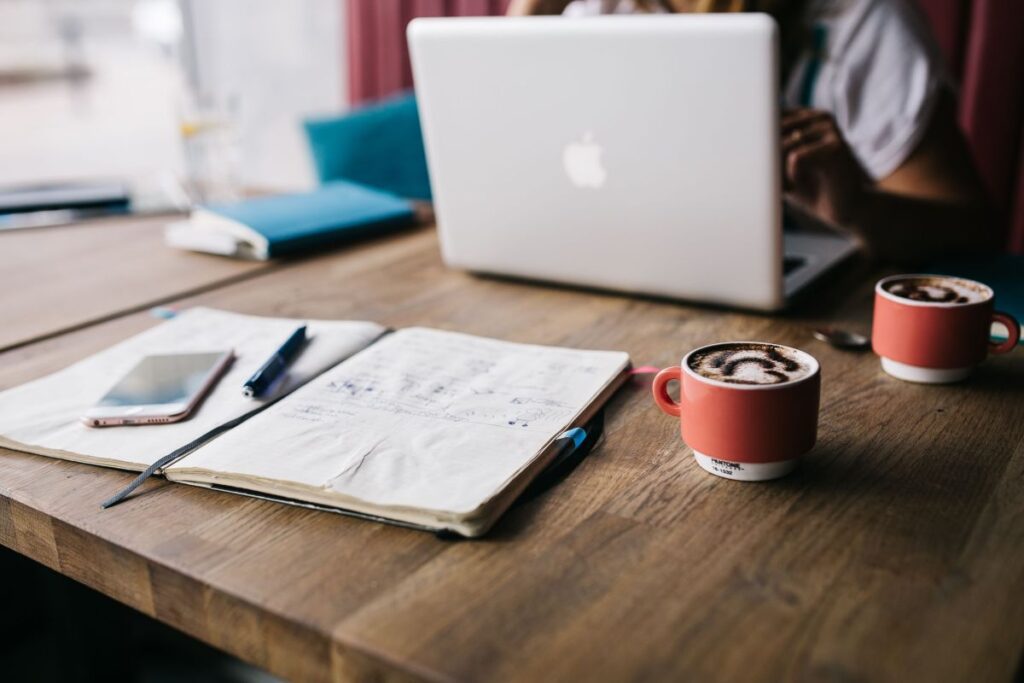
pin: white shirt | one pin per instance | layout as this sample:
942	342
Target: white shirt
875	67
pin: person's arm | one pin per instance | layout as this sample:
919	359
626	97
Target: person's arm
932	205
522	8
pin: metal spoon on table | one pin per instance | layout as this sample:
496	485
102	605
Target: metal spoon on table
842	339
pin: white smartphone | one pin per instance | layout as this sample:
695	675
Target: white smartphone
159	389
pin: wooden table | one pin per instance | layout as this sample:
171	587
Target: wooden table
895	553
62	278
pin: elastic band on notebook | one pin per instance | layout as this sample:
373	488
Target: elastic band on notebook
179	453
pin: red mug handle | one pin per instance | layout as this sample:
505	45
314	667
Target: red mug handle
660	389
1012	333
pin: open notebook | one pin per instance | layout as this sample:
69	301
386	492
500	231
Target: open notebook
418	426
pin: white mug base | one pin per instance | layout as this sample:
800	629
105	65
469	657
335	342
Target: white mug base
745	471
914	373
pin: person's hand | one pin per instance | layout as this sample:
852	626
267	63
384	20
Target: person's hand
820	172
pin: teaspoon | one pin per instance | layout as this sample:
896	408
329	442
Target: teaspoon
842	339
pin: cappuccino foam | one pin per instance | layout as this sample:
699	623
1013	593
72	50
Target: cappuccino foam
750	363
941	290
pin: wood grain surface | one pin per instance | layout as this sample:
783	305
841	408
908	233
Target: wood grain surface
58	279
895	553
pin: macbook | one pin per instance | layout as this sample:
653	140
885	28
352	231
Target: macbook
634	153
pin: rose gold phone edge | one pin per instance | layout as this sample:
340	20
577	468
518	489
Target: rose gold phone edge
167	418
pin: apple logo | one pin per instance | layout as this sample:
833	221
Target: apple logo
582	161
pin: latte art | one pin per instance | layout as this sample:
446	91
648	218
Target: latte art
750	363
941	290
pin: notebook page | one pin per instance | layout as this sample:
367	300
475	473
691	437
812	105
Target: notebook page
43	416
423	419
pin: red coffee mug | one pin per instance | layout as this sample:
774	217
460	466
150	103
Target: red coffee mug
749	432
936	342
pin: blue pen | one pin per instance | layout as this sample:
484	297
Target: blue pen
275	366
569	444
570	440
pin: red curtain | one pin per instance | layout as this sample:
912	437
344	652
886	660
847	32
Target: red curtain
377	54
982	40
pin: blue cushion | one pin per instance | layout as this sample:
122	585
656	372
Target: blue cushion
379	145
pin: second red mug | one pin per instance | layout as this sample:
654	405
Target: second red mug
934	328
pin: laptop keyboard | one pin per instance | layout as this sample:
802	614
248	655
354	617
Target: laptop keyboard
791	263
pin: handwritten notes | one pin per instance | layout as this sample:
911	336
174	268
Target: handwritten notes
421	425
423	419
466	381
43	416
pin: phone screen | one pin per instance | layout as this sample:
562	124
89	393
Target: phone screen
155	380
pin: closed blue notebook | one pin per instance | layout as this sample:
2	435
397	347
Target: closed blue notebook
269	227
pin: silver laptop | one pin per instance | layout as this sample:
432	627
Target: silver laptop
636	153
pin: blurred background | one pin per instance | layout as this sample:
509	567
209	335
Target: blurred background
182	98
156	90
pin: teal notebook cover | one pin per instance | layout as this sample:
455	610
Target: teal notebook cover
291	223
379	145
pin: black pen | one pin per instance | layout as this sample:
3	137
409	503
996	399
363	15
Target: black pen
275	366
